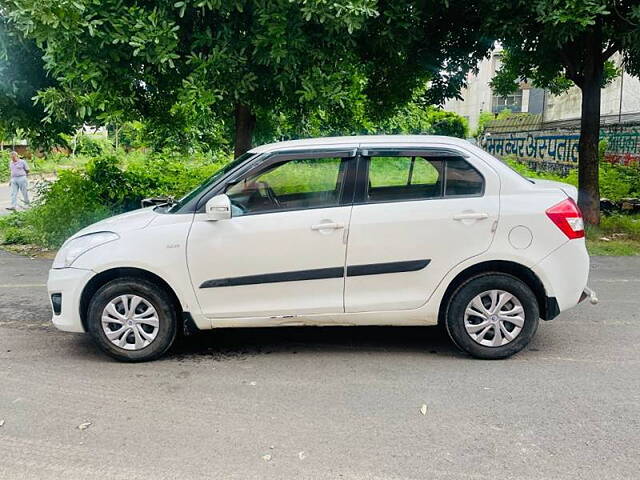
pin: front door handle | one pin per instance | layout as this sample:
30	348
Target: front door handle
327	226
471	216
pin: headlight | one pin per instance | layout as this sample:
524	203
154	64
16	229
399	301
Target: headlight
70	251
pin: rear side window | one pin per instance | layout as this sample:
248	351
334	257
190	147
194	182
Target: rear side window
396	178
404	178
462	179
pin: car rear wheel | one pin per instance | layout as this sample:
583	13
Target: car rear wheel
132	320
492	316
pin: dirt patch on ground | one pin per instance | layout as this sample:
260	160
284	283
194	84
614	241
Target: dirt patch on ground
30	250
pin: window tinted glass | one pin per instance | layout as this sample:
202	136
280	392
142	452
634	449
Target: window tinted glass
404	178
295	184
177	207
462	178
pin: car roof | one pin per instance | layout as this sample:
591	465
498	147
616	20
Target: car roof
361	140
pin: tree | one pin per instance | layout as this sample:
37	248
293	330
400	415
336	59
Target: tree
169	61
22	75
190	66
557	44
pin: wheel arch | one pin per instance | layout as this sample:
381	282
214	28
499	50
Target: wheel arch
106	276
548	306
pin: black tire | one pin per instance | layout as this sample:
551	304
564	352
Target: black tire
465	293
154	295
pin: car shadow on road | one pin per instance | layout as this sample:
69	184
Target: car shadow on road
244	342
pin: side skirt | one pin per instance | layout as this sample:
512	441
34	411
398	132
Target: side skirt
406	318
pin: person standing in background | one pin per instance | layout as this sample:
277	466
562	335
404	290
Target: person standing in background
19	171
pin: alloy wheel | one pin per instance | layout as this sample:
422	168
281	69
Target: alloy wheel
494	318
130	322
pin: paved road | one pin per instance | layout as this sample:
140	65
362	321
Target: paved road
339	403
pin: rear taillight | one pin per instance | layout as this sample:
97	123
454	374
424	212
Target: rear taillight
568	218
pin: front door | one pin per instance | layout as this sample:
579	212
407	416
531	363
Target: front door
416	216
283	251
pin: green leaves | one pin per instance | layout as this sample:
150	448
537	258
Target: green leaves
550	41
181	65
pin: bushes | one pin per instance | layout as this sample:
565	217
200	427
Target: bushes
447	123
415	119
14	229
108	185
616	181
4	169
92	145
115	182
64	207
171	173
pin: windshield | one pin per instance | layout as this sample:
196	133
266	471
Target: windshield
208	182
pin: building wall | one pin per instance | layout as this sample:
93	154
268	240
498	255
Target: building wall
477	97
558	149
568	105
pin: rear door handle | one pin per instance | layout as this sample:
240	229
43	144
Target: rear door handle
471	216
327	226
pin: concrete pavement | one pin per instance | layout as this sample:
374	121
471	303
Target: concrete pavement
5	197
5	191
5	200
323	402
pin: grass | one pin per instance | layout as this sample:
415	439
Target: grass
616	235
45	166
53	163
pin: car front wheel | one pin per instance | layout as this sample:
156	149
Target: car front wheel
132	320
492	316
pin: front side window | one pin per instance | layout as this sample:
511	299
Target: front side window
289	185
397	178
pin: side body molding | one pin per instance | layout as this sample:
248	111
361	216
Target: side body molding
319	273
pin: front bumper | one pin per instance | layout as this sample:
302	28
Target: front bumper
67	285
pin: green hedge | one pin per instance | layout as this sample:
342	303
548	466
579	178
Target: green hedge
616	181
113	183
108	185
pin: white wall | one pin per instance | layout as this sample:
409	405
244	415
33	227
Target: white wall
477	96
568	105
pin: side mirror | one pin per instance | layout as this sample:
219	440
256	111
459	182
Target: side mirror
218	208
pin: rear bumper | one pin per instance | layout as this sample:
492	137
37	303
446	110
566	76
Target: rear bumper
65	286
564	274
590	294
551	309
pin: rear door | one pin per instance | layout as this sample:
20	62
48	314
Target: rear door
417	214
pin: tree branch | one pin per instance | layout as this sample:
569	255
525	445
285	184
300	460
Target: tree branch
610	50
570	66
622	17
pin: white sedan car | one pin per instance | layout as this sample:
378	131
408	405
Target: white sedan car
372	230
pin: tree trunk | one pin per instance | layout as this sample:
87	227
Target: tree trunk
245	123
589	163
588	168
